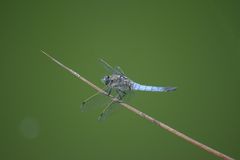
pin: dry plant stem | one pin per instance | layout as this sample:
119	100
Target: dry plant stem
143	115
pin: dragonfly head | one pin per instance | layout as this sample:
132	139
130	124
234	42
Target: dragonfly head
105	80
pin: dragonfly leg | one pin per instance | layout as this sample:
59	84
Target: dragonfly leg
120	93
109	90
105	110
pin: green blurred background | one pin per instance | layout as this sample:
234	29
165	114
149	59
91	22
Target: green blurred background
194	45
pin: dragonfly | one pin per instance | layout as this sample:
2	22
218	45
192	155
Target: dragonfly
119	83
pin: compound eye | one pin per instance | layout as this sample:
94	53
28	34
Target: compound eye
107	80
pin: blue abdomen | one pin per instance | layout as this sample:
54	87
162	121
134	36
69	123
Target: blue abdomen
139	87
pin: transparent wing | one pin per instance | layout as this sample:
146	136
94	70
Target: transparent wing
98	100
112	70
114	107
108	67
108	110
95	101
119	69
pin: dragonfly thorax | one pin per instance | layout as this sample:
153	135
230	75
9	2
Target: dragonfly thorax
118	82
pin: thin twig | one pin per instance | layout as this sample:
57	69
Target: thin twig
143	115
